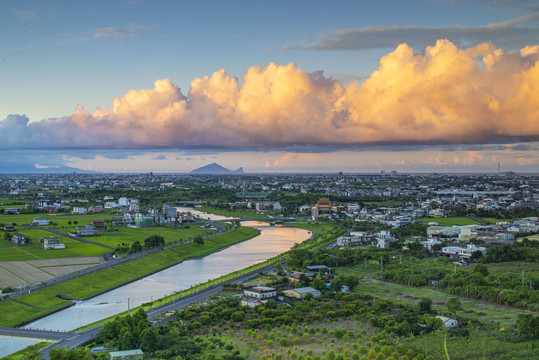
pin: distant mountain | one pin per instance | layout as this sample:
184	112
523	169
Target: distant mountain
13	168
215	169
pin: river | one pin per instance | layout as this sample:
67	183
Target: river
273	240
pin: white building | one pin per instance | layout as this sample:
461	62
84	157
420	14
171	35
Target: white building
447	322
79	210
260	292
88	230
40	221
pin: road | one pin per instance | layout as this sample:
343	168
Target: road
73	340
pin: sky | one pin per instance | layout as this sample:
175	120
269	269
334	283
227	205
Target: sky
283	86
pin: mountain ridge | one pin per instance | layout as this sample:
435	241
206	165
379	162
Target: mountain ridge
215	169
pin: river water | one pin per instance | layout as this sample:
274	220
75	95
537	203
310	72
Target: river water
273	240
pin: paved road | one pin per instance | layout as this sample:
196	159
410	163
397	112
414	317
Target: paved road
73	340
110	261
34	334
71	236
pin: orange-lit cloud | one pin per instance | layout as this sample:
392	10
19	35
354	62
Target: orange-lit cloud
445	95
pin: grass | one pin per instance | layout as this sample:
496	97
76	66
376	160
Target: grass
514	267
60	219
5	243
239	214
12	313
494	220
472	309
23	354
450	221
16	253
325	233
480	345
359	270
126	235
103	280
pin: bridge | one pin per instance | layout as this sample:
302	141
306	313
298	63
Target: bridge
270	220
35	333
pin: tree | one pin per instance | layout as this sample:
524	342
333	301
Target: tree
127	340
199	240
528	324
136	246
425	305
149	340
319	284
481	269
453	304
477	254
70	354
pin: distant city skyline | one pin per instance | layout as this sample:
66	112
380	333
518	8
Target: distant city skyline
305	86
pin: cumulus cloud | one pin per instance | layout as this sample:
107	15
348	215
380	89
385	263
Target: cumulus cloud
445	95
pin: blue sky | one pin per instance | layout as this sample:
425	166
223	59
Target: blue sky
57	55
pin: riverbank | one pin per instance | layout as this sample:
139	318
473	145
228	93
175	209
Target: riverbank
31	306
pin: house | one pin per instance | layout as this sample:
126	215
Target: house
300	293
51	243
19	239
88	230
98	224
40	221
447	322
319	268
466	262
79	210
260	292
135	354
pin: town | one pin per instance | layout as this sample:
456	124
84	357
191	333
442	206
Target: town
434	254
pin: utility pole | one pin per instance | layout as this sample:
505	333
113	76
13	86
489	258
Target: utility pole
365	266
523	277
128	307
382	265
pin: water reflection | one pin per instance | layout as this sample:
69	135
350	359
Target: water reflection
272	241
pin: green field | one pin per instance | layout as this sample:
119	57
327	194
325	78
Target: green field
61	220
90	284
12	313
482	344
5	243
238	214
494	220
359	271
126	235
472	309
450	221
33	252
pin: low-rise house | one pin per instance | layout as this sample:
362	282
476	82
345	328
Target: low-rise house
260	292
135	354
80	210
300	293
319	269
40	221
98	224
447	322
51	243
88	230
466	262
19	239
